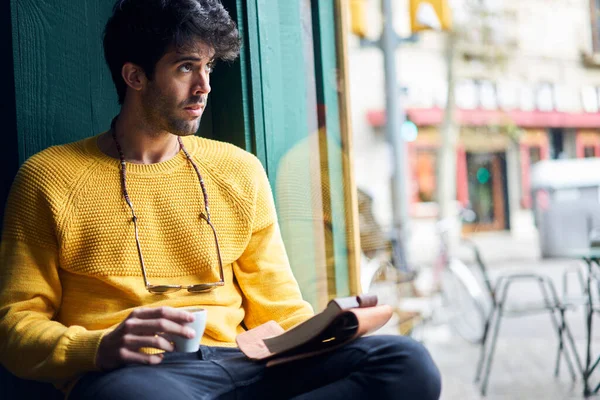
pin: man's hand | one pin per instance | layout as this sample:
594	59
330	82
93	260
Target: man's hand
143	328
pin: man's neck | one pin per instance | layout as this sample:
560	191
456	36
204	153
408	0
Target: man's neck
140	143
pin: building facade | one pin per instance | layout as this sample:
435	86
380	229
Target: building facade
527	88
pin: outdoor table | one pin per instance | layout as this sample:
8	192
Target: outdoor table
591	256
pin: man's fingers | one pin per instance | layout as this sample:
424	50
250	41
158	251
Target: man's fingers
134	342
170	313
151	327
133	357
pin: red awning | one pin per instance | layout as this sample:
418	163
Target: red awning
523	119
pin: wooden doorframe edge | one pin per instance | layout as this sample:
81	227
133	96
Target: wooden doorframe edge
353	233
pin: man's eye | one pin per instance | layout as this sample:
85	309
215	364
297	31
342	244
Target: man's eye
185	68
209	67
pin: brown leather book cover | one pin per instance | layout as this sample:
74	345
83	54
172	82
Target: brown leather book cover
344	320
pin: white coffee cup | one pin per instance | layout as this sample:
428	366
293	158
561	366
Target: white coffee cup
186	345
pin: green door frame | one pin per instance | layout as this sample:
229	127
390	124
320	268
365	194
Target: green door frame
331	145
280	75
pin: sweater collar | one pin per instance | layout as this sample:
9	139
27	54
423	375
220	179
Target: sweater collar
91	146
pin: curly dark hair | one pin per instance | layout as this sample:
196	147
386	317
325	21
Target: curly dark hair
142	31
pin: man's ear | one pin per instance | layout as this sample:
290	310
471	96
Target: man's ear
134	76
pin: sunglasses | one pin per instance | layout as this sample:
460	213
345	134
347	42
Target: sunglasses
164	289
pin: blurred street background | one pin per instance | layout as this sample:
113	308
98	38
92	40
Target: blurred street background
523	367
524	362
408	126
489	107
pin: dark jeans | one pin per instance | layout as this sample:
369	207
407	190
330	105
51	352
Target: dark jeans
375	367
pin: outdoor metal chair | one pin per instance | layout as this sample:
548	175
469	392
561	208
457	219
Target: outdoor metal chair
581	299
498	290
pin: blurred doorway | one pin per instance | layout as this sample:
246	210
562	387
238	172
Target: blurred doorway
488	191
557	143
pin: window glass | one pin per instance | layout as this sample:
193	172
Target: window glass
306	154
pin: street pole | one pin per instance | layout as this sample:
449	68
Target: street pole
394	119
446	168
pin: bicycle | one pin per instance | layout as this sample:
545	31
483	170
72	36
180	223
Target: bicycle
475	306
464	303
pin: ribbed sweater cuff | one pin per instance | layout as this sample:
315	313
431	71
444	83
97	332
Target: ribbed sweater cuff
82	349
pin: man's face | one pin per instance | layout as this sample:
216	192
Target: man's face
175	98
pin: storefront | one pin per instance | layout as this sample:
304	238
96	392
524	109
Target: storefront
481	169
588	143
490	144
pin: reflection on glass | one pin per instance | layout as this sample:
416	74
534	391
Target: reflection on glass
307	212
309	176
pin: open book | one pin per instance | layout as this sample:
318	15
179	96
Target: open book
344	320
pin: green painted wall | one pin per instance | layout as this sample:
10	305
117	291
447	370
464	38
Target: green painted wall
63	89
8	113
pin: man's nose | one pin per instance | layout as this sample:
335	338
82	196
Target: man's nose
202	84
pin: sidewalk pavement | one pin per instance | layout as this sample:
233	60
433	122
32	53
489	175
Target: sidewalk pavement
519	244
523	366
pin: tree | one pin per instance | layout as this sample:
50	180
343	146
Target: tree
478	35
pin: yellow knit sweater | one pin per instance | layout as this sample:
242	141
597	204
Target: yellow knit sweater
69	267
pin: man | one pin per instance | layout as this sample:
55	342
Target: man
106	239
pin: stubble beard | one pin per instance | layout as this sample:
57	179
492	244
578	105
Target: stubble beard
160	112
